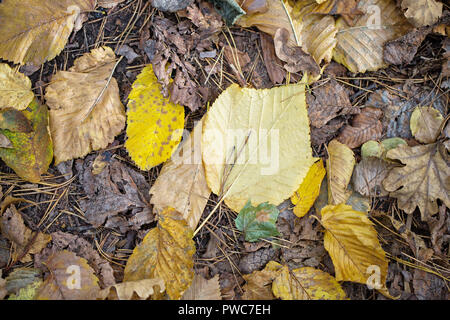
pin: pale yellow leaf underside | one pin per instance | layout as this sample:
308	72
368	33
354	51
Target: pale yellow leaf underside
15	89
202	289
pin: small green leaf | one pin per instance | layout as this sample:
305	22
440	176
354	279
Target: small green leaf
257	222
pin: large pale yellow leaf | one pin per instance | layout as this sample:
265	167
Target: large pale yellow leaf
424	178
352	242
126	290
256	144
15	88
309	190
85	109
167	253
70	278
360	47
259	283
422	12
340	164
306	284
181	184
35	32
202	289
154	125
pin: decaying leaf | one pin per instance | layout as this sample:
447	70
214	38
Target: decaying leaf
365	126
306	284
154	123
167	253
378	150
27	293
126	290
85	109
352	242
31	150
360	46
422	12
425	124
181	183
424	178
38	33
15	88
229	10
21	278
274	65
70	278
340	164
256	144
369	175
307	193
257	222
202	289
259	283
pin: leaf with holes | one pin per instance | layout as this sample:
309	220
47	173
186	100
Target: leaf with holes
258	222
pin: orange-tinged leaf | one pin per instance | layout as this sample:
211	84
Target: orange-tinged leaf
15	89
309	190
167	253
154	125
37	32
352	242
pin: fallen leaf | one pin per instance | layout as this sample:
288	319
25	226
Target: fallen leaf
170	5
257	222
15	88
256	144
70	278
181	183
167	253
378	150
108	3
360	46
425	124
306	284
32	151
27	293
229	10
143	288
422	12
259	283
202	289
352	242
422	180
274	65
155	125
369	175
85	109
21	278
402	50
128	53
365	126
256	260
36	33
340	164
307	193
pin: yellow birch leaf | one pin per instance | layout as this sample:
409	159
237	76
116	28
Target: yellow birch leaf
256	144
181	184
422	12
425	123
259	283
154	125
360	46
70	278
309	190
126	290
37	32
352	242
15	89
306	284
85	109
340	164
167	253
202	289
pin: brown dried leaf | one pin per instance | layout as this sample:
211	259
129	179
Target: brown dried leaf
369	175
256	260
273	64
202	289
365	126
402	50
259	283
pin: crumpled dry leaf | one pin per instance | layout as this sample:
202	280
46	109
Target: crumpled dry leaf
352	242
424	178
425	124
307	193
23	239
167	253
155	125
328	101
236	137
202	289
274	65
340	164
36	33
259	283
69	278
31	150
181	183
369	175
306	284
364	127
85	108
126	290
402	50
360	47
15	88
256	260
422	12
